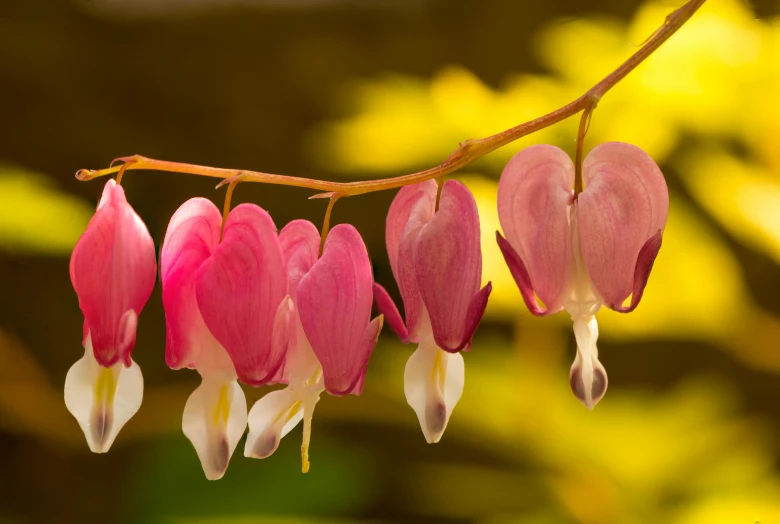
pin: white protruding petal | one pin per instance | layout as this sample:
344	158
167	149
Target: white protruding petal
588	378
102	399
433	384
270	419
300	360
214	420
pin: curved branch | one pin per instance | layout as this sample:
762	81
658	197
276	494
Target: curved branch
467	152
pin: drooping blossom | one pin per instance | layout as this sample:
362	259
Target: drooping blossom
436	260
215	414
579	253
242	295
333	335
113	270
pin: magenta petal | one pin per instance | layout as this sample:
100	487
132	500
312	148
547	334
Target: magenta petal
474	315
412	208
240	292
534	197
113	270
624	204
334	303
644	264
449	266
520	274
388	309
300	241
192	236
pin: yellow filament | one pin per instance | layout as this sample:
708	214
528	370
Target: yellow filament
222	411
105	387
439	371
289	413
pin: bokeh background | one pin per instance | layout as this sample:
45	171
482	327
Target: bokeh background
689	431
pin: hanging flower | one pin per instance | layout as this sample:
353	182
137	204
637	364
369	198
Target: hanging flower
278	412
215	414
242	295
581	252
113	270
436	260
334	334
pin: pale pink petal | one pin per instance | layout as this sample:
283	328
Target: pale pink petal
334	302
624	204
240	292
449	268
534	195
192	236
113	270
411	209
300	241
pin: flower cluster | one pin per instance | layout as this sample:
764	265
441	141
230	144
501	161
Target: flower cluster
246	302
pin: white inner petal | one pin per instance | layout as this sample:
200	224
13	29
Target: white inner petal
270	419
433	384
214	420
102	399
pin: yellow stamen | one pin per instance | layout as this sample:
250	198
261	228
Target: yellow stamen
439	371
222	411
105	386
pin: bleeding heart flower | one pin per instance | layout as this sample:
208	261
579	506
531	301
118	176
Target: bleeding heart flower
278	412
242	295
579	253
437	263
334	337
113	270
215	414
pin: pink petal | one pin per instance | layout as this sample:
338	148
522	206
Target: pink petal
411	209
449	268
534	195
520	275
334	302
624	204
241	294
300	241
192	236
113	270
388	309
644	264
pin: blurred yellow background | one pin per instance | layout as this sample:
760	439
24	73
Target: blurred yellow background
688	432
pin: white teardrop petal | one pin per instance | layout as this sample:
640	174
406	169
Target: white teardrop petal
433	384
588	378
214	420
270	419
102	399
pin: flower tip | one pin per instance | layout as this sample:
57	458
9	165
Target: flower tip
102	420
219	457
102	399
435	420
589	384
263	447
